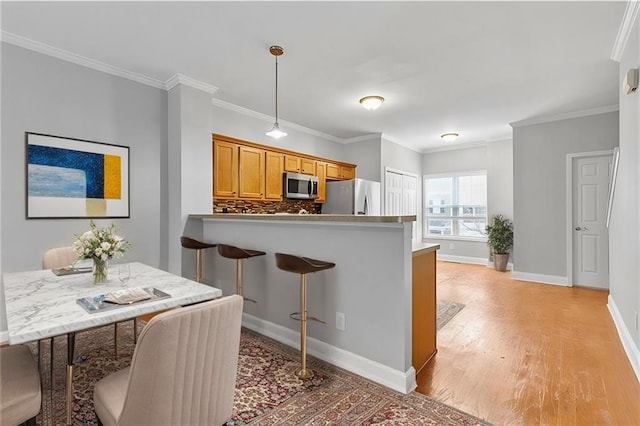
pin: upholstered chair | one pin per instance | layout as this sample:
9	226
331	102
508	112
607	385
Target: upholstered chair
20	393
58	257
183	370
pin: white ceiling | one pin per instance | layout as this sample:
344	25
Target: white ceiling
468	67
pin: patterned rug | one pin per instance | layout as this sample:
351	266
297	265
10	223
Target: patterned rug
267	393
446	311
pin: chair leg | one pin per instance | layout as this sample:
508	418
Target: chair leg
239	277
115	340
304	372
199	265
135	331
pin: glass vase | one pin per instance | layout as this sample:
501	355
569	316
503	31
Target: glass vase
100	270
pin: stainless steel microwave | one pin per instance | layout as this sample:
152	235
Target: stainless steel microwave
300	186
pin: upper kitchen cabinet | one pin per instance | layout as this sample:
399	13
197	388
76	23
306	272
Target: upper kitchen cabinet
296	164
321	173
273	175
251	180
225	169
340	171
250	171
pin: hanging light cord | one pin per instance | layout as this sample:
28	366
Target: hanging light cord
276	89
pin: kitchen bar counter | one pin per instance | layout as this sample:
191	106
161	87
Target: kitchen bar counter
347	218
418	249
371	284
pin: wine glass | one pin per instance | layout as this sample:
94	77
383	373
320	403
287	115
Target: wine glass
124	273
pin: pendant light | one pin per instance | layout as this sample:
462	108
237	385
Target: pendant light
275	131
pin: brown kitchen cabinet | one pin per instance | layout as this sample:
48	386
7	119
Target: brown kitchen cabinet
247	170
321	174
340	171
423	305
225	169
296	164
251	173
274	168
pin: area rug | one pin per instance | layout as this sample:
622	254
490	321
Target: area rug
267	393
445	311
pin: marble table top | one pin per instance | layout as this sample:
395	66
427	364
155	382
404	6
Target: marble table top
40	304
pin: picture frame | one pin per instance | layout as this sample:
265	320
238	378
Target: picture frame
612	181
68	178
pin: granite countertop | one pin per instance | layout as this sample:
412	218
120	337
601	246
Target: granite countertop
418	249
348	218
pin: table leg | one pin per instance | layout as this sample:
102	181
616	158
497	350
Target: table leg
51	342
71	340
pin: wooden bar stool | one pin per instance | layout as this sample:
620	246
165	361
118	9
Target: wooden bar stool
303	266
20	383
198	246
231	252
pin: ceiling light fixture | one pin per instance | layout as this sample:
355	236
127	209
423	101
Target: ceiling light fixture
275	131
371	102
449	137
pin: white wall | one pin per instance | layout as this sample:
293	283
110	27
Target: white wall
540	195
251	128
624	230
366	154
47	95
495	158
190	168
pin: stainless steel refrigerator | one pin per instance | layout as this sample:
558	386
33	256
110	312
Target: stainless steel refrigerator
357	196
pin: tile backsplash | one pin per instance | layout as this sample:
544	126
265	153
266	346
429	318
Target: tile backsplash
259	206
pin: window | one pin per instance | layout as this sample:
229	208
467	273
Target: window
456	205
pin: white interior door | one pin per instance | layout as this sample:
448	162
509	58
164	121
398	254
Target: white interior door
410	200
589	204
393	194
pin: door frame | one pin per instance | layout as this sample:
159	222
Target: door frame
569	196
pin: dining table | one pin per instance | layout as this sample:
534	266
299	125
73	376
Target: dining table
41	304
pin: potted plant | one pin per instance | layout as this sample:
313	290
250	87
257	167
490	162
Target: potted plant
500	240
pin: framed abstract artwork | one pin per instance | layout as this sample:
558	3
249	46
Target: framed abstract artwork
74	178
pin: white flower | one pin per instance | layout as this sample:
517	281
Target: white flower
100	243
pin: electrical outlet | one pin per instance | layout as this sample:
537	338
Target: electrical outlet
340	321
452	246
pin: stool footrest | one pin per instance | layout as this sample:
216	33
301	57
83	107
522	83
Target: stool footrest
296	316
249	300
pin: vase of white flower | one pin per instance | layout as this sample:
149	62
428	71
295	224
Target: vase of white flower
100	245
100	271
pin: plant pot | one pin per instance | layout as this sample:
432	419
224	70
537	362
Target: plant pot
500	261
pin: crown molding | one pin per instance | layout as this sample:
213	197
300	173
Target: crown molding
363	138
188	81
267	118
565	116
455	147
65	55
628	19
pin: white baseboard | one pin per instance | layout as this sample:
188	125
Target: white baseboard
4	337
540	278
400	381
461	259
632	351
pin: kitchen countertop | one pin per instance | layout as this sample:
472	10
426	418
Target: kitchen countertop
349	218
418	249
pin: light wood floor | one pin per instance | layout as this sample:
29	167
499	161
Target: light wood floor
528	353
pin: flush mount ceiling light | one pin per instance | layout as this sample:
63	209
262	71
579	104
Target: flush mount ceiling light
371	102
449	137
275	131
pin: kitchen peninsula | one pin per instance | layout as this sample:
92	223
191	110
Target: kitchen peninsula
371	285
